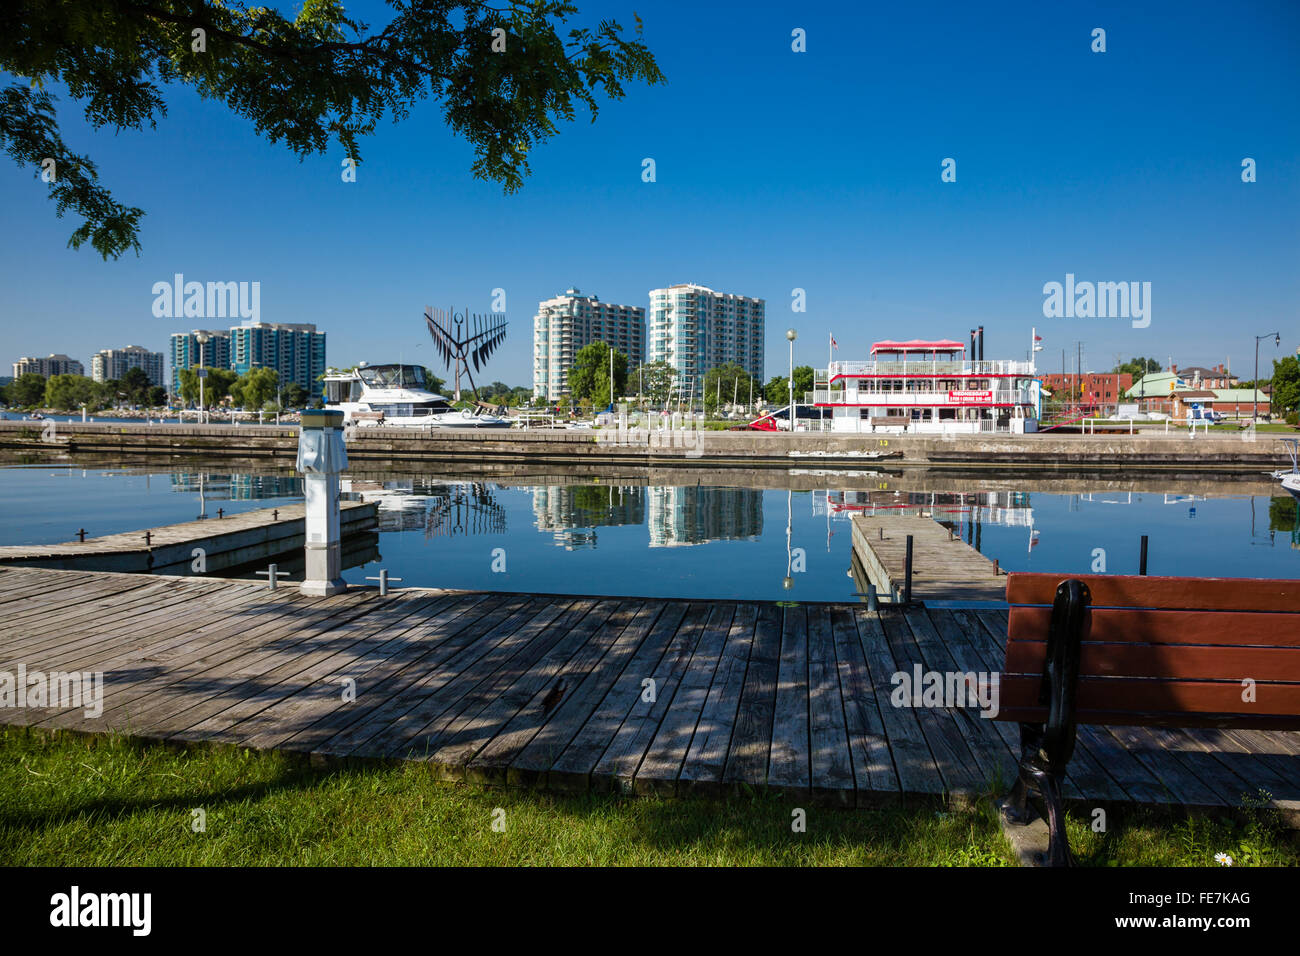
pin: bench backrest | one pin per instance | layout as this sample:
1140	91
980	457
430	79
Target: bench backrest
1163	650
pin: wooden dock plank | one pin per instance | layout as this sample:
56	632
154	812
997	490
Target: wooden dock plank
874	776
443	635
315	708
944	567
547	690
706	757
831	765
918	774
533	671
537	697
189	675
667	751
529	766
788	767
957	764
751	741
622	758
573	768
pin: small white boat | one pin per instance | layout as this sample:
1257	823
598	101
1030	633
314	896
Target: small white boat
1291	479
397	396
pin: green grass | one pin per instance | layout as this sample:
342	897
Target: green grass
70	800
1272	427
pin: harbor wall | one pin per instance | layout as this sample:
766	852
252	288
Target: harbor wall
385	447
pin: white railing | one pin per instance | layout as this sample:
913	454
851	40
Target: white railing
928	368
852	396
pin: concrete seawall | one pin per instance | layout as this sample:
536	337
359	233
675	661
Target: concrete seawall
385	447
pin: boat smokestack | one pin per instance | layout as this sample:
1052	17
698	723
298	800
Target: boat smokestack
981	332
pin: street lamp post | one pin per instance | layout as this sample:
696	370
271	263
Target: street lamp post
202	339
791	334
1254	409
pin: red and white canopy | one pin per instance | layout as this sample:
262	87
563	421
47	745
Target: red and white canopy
916	345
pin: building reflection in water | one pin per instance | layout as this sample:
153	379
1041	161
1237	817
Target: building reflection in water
438	508
223	487
673	516
695	515
572	513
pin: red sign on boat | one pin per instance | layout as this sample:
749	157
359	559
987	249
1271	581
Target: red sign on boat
963	396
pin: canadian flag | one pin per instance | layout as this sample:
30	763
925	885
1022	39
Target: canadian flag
1038	338
834	344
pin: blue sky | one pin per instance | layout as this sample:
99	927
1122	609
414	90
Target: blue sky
775	170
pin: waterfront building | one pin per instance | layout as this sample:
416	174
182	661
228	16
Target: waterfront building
695	329
185	352
1169	393
110	364
59	364
1092	389
928	387
1197	376
295	350
566	323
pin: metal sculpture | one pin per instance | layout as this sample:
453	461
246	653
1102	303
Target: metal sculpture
475	343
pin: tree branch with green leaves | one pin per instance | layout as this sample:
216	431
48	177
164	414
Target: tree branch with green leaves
306	82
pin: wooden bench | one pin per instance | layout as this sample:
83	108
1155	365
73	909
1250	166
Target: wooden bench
1123	651
890	420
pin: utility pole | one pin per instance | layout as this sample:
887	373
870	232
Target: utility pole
1277	340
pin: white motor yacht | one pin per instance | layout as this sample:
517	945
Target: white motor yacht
397	395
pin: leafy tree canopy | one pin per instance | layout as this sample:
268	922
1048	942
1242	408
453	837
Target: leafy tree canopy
1137	367
294	395
255	388
307	81
777	389
215	388
1286	384
589	374
27	390
723	383
70	392
654	380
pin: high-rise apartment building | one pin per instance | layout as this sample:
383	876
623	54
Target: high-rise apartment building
565	324
185	352
109	364
59	364
695	329
295	350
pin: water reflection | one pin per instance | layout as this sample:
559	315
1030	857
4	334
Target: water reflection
779	535
438	508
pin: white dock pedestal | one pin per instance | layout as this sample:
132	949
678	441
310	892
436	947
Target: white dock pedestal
322	454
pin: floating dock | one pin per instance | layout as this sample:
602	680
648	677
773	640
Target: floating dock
569	692
944	567
227	542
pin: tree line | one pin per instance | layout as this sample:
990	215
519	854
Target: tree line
660	384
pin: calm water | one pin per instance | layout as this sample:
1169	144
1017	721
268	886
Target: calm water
690	541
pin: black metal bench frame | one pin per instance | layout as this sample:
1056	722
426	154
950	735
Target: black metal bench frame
1045	749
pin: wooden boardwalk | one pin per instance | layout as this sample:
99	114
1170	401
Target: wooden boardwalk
229	540
944	567
556	691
